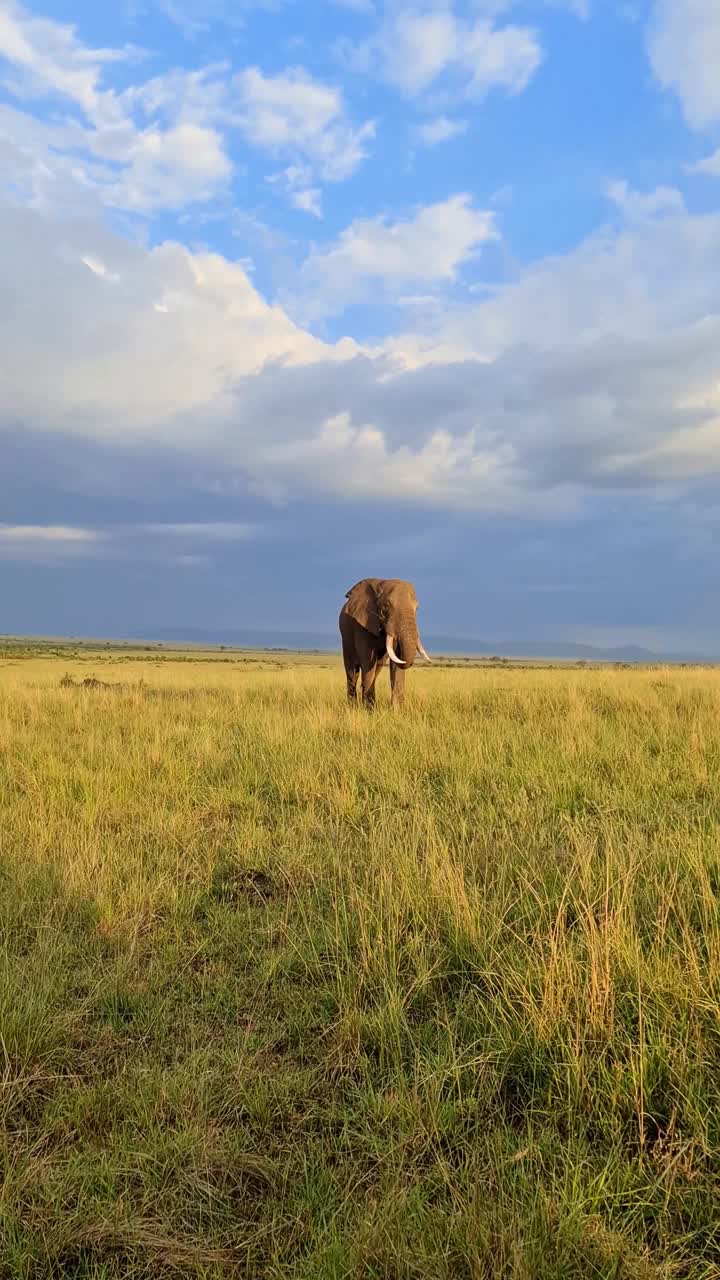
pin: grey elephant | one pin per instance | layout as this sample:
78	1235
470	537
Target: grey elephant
378	623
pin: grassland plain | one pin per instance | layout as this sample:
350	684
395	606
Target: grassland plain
289	990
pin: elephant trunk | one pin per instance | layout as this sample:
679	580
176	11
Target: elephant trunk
405	637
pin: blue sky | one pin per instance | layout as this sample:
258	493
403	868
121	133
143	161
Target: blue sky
294	293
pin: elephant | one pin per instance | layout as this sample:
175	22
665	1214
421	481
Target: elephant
378	623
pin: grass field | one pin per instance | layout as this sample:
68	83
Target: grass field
293	991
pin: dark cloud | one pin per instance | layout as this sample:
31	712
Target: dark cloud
627	564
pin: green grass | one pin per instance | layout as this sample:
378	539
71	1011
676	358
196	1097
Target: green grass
288	990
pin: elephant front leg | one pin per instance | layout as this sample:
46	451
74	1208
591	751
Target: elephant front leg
369	677
352	675
397	685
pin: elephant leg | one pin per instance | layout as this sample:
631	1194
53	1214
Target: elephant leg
369	677
352	674
397	685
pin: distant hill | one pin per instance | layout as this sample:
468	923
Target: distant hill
242	638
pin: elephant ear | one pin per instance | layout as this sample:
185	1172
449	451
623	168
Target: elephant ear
362	605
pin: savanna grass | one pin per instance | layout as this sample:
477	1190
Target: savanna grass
290	990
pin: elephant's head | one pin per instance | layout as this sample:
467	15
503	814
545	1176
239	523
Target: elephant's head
388	607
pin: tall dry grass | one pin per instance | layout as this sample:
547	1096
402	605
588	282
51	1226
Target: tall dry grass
288	990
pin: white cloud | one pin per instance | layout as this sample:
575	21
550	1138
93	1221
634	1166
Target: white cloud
414	49
640	206
375	256
169	334
47	58
309	199
505	57
98	268
651	271
417	47
710	165
117	150
684	50
441	129
167	169
437	471
597	370
296	181
47	544
12	533
162	143
296	116
182	95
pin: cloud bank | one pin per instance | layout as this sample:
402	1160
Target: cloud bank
181	375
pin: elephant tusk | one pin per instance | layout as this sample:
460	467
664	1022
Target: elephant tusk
391	651
422	653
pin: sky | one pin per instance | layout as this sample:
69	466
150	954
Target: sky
294	294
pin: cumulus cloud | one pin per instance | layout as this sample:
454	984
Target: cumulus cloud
296	181
159	143
441	129
170	169
595	372
136	342
650	270
710	165
295	115
417	48
684	50
113	146
46	57
531	431
308	199
375	257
